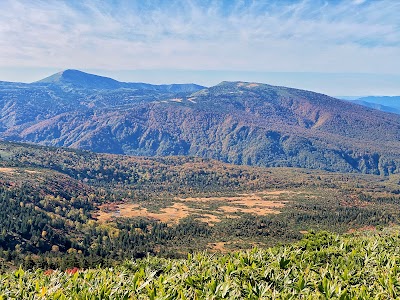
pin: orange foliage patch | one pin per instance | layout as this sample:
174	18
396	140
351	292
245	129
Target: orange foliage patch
365	228
7	170
243	203
48	272
72	271
218	247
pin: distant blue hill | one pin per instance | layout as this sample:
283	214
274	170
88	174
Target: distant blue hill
377	106
391	101
383	103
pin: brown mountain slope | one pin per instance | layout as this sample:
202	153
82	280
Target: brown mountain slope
237	122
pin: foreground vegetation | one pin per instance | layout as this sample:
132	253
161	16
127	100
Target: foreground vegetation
320	266
63	208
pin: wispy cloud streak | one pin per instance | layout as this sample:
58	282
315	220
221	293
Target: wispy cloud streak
290	36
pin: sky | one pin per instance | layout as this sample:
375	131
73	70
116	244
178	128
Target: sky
349	47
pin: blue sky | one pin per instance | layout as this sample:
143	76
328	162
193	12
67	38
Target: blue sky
349	47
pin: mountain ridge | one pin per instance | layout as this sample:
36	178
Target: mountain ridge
237	122
389	104
76	78
381	107
392	101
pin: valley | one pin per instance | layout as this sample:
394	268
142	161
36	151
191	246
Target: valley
80	208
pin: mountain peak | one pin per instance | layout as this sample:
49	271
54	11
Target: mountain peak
241	84
81	79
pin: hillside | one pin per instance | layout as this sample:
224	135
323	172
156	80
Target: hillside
71	91
235	122
320	266
77	208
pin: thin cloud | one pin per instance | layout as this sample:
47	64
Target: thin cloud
300	36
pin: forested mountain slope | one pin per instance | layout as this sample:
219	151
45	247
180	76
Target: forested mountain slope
235	122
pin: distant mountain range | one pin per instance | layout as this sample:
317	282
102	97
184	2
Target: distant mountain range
235	122
384	103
